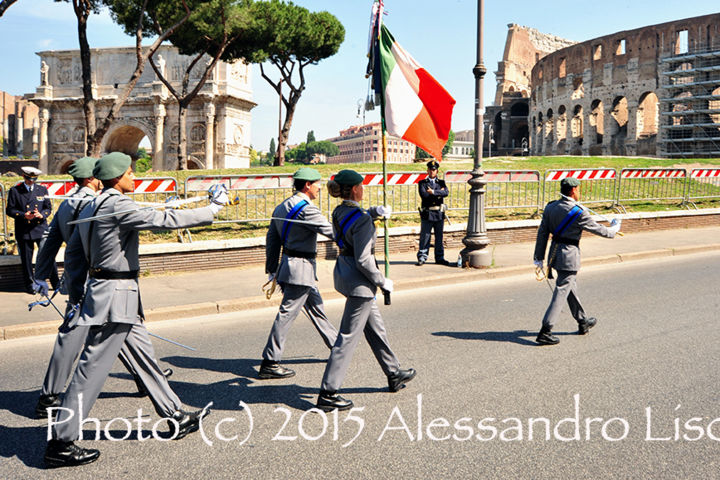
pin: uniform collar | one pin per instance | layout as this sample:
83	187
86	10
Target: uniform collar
351	203
111	191
87	192
303	196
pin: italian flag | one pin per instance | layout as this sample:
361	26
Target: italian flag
416	107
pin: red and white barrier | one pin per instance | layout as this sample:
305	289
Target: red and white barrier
243	182
462	176
653	173
581	174
57	187
155	185
397	178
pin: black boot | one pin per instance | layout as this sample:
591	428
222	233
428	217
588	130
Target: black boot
142	391
328	401
67	454
545	337
271	370
187	422
397	380
45	402
585	326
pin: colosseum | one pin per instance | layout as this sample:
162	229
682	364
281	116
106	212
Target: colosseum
653	90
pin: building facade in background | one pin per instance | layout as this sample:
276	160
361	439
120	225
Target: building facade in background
218	119
363	144
20	123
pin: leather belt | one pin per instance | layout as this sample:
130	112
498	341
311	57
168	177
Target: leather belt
567	241
435	208
102	274
297	253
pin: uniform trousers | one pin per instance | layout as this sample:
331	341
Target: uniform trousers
25	249
426	228
68	345
296	297
361	315
565	290
101	349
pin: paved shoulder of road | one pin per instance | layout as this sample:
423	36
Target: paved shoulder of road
188	294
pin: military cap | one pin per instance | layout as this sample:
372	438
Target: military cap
433	165
569	182
307	174
82	167
111	166
348	177
30	171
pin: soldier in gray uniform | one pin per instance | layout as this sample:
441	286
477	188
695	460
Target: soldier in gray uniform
69	341
357	277
296	273
113	310
566	220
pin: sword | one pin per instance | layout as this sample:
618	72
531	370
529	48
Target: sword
160	205
172	341
591	211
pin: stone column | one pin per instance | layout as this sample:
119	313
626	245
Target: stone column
159	147
43	140
631	140
607	130
209	135
588	137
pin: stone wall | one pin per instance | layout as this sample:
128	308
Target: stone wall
600	97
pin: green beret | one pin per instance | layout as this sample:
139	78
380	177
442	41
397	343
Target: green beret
111	166
348	177
307	174
82	167
569	182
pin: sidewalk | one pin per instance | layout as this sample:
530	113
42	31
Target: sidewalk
233	289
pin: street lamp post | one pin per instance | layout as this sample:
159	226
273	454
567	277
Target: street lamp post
476	254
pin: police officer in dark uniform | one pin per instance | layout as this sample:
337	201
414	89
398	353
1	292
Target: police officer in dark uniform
432	214
565	219
26	203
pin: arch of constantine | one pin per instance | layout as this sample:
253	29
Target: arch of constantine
218	119
649	91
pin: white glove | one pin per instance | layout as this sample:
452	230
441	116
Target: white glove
538	263
615	225
218	197
384	211
388	285
271	277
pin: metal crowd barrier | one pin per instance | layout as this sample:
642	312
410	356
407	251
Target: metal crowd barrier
4	221
402	193
651	184
703	183
599	185
258	194
505	189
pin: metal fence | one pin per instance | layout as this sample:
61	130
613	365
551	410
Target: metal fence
599	185
402	194
651	184
506	189
703	184
4	232
258	195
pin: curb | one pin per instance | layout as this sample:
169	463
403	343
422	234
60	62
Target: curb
259	302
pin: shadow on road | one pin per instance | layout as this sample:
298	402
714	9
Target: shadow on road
246	387
517	336
27	444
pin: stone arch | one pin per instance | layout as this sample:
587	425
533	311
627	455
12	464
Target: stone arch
618	125
576	131
714	104
561	129
647	115
126	137
519	109
597	128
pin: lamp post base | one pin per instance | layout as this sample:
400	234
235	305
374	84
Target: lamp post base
476	258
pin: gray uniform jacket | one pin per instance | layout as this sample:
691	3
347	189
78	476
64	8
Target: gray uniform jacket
359	275
300	237
567	257
59	233
112	244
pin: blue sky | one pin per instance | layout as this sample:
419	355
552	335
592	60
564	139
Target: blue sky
439	34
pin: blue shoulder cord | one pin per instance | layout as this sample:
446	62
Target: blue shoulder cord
292	214
345	224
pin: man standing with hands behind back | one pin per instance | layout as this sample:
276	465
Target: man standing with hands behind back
26	203
432	214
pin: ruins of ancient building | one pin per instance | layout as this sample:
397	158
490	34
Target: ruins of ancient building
653	90
218	119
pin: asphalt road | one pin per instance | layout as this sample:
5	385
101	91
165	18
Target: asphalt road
487	402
